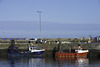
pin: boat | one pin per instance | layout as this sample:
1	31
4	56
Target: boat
78	52
33	51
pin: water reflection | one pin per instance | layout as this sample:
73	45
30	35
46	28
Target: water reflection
72	61
25	61
18	61
82	62
36	62
49	62
62	60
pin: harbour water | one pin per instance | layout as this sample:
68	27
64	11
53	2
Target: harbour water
49	62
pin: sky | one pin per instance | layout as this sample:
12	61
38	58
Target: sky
61	17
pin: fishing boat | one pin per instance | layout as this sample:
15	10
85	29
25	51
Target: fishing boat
78	52
33	51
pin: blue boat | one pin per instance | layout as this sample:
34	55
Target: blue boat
33	51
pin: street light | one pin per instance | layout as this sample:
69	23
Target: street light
40	21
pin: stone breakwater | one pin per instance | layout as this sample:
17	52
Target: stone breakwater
50	44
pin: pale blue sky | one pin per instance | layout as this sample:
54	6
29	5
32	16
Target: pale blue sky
57	15
62	11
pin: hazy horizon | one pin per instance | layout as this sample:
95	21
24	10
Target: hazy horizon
48	30
66	18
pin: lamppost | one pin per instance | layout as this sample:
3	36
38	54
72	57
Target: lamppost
40	21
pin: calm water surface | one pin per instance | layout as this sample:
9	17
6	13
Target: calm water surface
49	62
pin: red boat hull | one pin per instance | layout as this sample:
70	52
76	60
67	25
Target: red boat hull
81	54
71	54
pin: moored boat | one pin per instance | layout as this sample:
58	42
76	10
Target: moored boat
79	52
33	51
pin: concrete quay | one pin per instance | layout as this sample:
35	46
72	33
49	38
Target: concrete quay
50	43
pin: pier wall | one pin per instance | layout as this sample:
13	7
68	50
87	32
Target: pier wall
50	46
